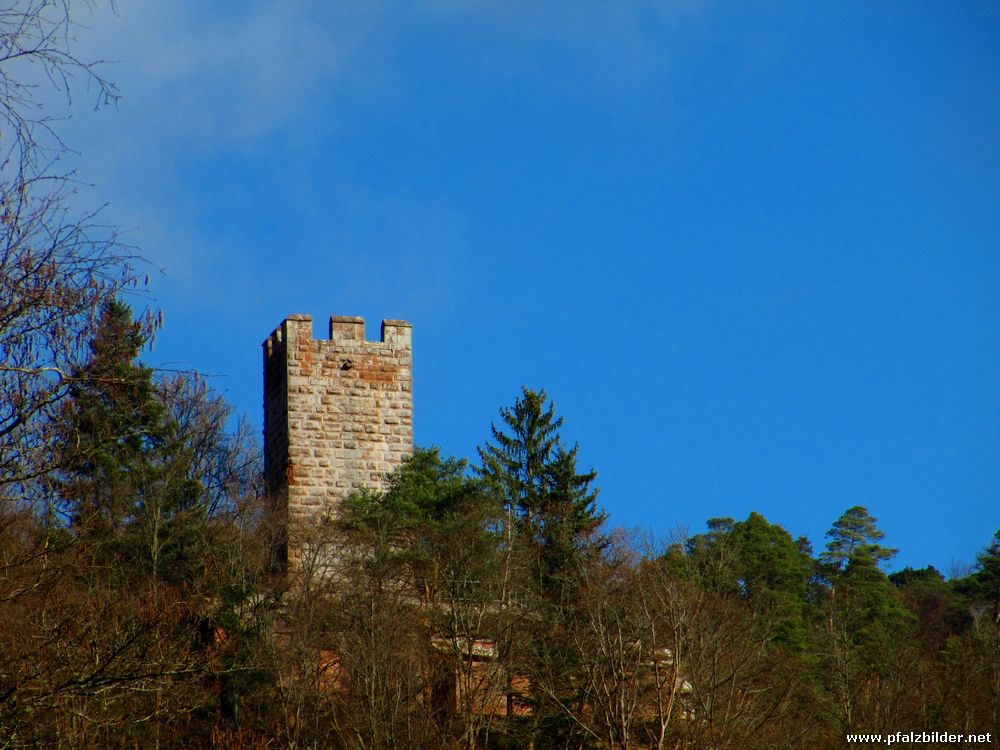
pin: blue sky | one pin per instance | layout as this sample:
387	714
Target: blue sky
751	252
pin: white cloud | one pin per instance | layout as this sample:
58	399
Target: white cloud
206	77
221	74
259	78
198	80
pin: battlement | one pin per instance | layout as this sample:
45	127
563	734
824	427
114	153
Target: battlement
338	415
343	328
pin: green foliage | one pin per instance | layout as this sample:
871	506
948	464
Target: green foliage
983	585
429	500
430	488
988	562
863	595
125	483
760	562
426	489
552	532
940	611
527	466
865	634
854	540
448	597
971	660
515	466
112	422
769	559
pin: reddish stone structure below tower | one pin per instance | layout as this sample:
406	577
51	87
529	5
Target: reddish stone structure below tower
338	416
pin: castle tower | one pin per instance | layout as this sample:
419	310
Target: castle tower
338	415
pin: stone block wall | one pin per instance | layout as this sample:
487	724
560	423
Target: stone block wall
338	416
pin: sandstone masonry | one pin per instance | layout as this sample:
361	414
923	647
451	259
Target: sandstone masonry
338	416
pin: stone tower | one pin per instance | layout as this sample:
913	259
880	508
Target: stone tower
338	415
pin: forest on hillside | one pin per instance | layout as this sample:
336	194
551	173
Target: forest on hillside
142	605
485	603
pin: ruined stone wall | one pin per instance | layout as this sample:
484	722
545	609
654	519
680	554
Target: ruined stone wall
338	416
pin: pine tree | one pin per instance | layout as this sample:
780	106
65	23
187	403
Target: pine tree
758	562
866	623
854	539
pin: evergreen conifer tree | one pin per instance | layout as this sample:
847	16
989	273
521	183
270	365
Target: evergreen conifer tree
553	530
865	620
984	584
536	477
855	539
125	483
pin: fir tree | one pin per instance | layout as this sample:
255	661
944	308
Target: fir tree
111	420
553	529
536	478
125	483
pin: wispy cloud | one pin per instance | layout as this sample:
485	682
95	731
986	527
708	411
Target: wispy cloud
203	80
274	78
216	73
220	74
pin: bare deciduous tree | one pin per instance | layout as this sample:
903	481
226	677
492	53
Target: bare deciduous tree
58	264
